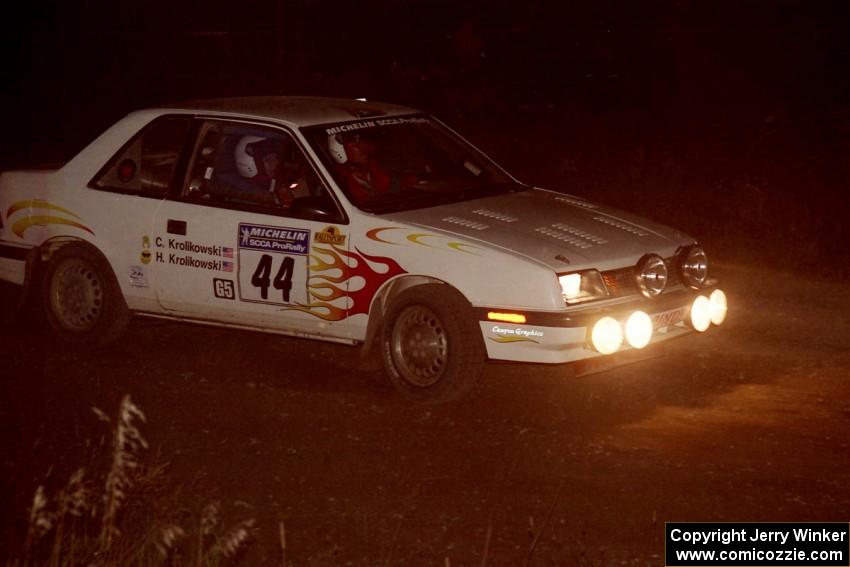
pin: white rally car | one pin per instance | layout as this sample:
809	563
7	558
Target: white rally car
348	221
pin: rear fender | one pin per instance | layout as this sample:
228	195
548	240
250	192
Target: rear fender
37	259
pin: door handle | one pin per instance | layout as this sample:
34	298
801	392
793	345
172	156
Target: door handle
176	227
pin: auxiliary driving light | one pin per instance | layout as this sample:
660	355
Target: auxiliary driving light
607	336
701	313
651	275
693	266
717	306
638	329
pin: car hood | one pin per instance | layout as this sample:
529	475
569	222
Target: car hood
561	231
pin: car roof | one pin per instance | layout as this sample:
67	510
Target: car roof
297	110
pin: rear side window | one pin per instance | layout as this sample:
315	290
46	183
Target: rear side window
146	164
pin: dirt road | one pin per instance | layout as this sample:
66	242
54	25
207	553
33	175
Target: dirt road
746	423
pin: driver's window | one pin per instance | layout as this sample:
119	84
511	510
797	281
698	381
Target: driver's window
254	168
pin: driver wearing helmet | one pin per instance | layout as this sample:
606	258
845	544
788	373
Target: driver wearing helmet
363	177
260	168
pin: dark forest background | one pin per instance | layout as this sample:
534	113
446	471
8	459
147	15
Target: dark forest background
729	120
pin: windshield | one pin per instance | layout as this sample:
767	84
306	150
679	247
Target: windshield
403	163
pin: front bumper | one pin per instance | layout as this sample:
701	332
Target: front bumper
565	336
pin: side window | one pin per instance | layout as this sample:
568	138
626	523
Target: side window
146	165
254	168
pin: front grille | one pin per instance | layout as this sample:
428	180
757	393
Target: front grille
622	281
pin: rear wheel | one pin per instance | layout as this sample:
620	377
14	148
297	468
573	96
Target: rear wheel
431	344
82	301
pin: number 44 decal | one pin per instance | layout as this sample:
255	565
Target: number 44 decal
282	281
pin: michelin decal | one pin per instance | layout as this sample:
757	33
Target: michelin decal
273	239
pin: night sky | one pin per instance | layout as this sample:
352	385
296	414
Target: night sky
732	101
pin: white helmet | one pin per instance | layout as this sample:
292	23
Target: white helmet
337	149
245	163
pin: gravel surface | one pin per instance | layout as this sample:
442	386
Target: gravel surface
745	423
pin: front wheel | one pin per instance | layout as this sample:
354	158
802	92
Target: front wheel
82	301
431	344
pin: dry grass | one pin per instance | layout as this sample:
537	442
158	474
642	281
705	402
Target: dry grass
125	519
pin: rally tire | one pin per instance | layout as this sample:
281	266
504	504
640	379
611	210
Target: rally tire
431	344
82	301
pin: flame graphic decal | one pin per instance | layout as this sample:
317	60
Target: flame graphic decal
373	234
415	238
459	247
37	204
332	273
21	225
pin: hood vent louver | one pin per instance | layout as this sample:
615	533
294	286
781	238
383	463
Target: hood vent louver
630	228
564	237
580	233
494	215
576	202
466	223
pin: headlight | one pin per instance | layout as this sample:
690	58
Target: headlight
651	275
582	286
693	266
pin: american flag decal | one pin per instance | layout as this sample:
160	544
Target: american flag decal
227	252
227	266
